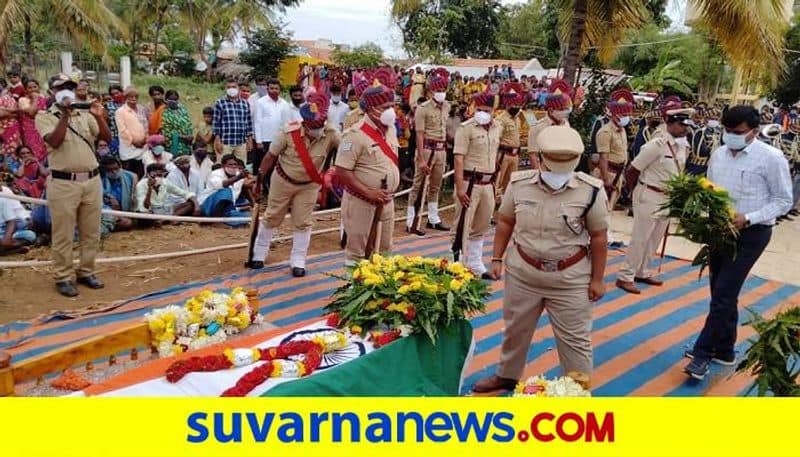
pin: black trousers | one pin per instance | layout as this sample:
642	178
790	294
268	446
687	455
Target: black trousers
726	275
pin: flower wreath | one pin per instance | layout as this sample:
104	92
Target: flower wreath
276	365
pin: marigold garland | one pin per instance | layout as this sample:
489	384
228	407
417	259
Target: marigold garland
275	357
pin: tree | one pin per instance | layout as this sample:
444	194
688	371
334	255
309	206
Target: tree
529	30
666	77
367	55
266	49
84	22
787	91
223	19
750	35
463	28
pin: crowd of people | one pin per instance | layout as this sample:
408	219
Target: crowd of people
353	137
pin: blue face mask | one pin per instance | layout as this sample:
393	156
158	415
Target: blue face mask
158	150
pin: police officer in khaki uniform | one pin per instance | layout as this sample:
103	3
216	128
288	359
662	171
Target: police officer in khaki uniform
366	165
513	123
355	115
558	220
475	153
300	156
612	143
430	120
74	189
657	162
559	107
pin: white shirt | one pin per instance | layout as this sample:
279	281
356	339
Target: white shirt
336	114
19	211
148	157
292	115
214	184
202	169
757	178
159	196
251	100
195	184
269	117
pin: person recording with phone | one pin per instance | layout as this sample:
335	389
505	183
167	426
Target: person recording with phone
75	193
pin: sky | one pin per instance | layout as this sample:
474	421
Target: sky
356	22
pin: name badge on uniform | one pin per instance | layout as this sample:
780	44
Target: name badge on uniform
347	146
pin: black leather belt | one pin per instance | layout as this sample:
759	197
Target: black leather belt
481	179
509	151
283	175
75	176
434	144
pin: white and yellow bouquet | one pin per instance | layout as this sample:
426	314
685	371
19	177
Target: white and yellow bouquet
205	319
574	385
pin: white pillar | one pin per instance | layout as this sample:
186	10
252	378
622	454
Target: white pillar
66	63
125	71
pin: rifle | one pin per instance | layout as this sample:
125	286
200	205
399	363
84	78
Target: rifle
375	228
255	223
664	249
421	196
458	240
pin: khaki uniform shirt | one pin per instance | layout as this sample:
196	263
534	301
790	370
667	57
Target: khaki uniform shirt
352	118
509	136
74	155
358	153
478	145
537	128
524	128
614	142
431	119
659	160
288	158
550	225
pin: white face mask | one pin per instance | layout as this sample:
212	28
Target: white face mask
735	142
624	121
562	114
713	123
556	180
63	94
682	142
231	171
483	118
159	181
232	91
336	99
439	97
388	117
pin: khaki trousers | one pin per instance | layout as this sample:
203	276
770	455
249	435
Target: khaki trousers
239	150
285	197
564	294
648	230
435	181
71	203
479	214
507	166
357	219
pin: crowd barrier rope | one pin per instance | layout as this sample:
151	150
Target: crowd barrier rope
184	253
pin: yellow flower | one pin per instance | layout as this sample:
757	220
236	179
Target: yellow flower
377	259
455	284
277	368
402	290
228	353
731	212
373	280
398	307
416	285
356	330
357	273
301	369
398	275
456	269
372	304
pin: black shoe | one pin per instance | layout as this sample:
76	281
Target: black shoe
91	282
488	277
67	288
688	354
697	368
727	359
794	212
441	227
298	272
417	232
254	265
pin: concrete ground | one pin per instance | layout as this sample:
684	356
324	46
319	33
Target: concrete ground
780	261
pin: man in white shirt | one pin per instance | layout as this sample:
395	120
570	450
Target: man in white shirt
182	176
757	177
337	109
262	87
270	116
297	98
225	191
153	195
199	161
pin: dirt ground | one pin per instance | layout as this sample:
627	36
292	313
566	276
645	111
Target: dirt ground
29	292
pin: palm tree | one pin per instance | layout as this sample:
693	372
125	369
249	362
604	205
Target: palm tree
86	22
749	33
667	75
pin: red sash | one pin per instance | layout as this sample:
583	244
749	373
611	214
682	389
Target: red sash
305	157
375	136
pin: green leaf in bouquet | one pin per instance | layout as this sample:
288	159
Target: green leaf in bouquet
450	301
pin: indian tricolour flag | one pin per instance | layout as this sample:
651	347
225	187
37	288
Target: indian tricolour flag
410	366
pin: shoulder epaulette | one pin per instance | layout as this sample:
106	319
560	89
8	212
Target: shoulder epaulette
589	179
523	175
